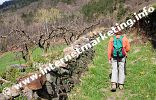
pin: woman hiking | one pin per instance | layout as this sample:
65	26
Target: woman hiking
118	47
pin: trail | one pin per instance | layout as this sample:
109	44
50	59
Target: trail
140	78
119	94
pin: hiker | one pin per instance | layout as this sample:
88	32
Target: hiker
118	47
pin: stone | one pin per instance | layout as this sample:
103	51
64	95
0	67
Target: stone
59	63
11	92
28	93
3	81
36	84
3	97
21	67
68	50
81	41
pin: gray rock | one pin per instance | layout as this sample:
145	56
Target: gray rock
28	93
19	67
2	97
3	81
11	92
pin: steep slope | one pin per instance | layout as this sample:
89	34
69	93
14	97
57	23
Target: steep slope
96	85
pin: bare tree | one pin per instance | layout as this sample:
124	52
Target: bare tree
25	44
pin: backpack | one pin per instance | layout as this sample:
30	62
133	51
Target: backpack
118	51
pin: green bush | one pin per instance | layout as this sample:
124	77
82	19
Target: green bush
67	1
94	8
121	11
64	1
121	1
21	3
27	17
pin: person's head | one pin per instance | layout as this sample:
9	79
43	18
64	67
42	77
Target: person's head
118	33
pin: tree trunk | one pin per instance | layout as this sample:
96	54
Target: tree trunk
3	43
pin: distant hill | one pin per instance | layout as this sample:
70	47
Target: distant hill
6	4
14	4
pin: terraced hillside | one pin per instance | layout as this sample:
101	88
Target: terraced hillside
140	78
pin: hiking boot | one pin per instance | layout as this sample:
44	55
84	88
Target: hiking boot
113	87
121	86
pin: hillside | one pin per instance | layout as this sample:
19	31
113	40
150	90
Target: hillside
43	31
140	81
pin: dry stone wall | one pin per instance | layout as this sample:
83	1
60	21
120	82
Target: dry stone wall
58	82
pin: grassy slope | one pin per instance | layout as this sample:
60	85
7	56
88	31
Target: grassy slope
10	58
7	59
140	80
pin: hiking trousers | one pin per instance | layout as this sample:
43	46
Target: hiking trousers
118	70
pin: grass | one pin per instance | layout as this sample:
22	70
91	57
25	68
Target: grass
140	79
52	53
7	59
10	58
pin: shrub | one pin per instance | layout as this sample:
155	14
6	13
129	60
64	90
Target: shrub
44	15
121	11
67	1
27	17
95	8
